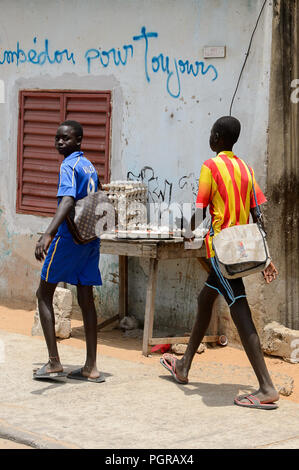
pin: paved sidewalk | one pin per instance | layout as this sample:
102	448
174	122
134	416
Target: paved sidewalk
8	444
139	406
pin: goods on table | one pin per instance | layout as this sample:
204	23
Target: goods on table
129	199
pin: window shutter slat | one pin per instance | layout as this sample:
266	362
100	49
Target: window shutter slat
41	116
38	161
93	113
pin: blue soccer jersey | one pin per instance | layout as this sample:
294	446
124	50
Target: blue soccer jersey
66	260
77	178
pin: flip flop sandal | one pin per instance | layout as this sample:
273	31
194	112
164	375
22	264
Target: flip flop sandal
78	375
254	402
168	361
42	374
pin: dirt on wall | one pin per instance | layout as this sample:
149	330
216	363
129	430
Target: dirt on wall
282	211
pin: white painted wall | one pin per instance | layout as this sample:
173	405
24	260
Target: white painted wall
149	126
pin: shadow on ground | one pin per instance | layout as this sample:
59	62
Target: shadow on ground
220	394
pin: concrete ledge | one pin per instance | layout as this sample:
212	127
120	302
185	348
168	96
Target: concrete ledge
22	436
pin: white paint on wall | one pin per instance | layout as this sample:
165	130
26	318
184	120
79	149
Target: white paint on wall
2	92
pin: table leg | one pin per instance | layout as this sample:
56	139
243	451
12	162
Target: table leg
123	286
150	305
123	294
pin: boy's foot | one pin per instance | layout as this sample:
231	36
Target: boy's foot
90	372
86	375
170	363
49	370
259	400
251	401
269	396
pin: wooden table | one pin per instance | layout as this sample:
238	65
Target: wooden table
155	250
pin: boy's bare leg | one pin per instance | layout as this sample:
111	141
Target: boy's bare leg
205	303
44	295
241	316
86	302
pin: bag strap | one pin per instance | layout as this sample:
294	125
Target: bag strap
258	210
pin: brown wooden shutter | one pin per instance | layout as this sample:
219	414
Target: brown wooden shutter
38	164
40	113
92	110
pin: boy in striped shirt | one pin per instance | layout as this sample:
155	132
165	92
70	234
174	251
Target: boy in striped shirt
225	185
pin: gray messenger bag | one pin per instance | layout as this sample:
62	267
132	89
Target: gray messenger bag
242	250
90	217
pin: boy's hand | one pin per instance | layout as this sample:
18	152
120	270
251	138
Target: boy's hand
42	246
188	239
270	273
41	249
188	235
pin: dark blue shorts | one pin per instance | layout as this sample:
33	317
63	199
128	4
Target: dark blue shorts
69	262
231	289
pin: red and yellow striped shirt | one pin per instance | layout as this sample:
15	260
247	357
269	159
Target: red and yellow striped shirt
225	185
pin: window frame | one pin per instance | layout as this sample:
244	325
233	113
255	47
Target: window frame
22	208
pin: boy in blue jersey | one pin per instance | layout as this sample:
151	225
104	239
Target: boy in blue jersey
67	261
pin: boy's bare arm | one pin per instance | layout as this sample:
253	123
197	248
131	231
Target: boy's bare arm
270	273
41	249
253	212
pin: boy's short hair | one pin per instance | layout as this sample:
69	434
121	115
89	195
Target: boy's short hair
228	129
75	125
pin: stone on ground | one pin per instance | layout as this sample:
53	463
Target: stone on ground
278	340
181	348
62	304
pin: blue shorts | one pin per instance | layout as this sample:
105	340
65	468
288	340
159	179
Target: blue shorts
231	289
70	262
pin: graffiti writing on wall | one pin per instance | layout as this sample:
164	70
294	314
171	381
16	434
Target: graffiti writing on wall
189	182
171	69
162	190
156	191
162	209
36	57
